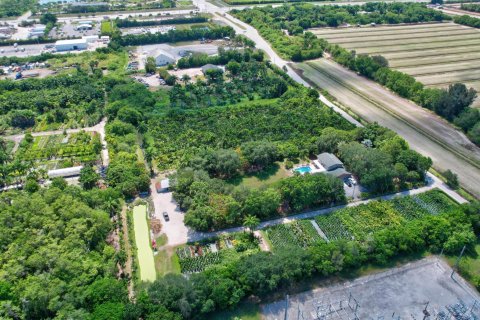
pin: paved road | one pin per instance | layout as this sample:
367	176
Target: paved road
177	233
456	11
100	128
374	103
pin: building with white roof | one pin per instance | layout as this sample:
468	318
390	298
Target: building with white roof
65	173
71	45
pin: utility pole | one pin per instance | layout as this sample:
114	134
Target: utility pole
286	307
458	261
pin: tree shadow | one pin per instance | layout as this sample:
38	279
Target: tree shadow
266	173
262	175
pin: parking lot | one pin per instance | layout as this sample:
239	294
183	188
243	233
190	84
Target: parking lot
69	29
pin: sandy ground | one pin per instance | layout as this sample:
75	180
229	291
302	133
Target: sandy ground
403	292
374	103
192	73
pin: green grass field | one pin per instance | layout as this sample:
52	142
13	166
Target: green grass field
142	241
266	177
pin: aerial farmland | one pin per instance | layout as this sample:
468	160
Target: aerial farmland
436	54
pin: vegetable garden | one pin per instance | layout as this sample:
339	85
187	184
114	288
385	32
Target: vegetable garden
79	147
299	234
359	222
197	257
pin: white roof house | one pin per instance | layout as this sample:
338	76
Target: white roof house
66	172
70	45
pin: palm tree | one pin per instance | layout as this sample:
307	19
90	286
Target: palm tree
111	205
185	78
251	222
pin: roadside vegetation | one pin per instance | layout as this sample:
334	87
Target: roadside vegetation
104	6
217	32
467	21
473	7
127	23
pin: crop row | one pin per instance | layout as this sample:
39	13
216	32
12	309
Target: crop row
299	233
358	222
333	227
197	257
198	264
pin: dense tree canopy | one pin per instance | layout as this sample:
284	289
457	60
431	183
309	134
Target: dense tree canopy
52	250
77	100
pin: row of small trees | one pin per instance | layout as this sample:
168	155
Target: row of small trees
452	103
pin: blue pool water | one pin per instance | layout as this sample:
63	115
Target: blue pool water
303	169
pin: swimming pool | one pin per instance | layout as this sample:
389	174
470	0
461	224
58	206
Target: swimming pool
303	169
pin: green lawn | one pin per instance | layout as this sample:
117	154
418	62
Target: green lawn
266	177
142	241
166	261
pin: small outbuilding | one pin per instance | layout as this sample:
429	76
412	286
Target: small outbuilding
163	186
71	45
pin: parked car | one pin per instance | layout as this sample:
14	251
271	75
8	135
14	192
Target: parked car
348	182
165	216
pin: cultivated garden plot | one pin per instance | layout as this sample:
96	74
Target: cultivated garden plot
61	151
436	54
197	257
358	222
299	234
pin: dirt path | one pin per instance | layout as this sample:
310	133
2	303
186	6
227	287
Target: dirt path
263	244
128	251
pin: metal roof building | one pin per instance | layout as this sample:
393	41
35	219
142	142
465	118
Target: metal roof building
329	161
70	45
66	172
